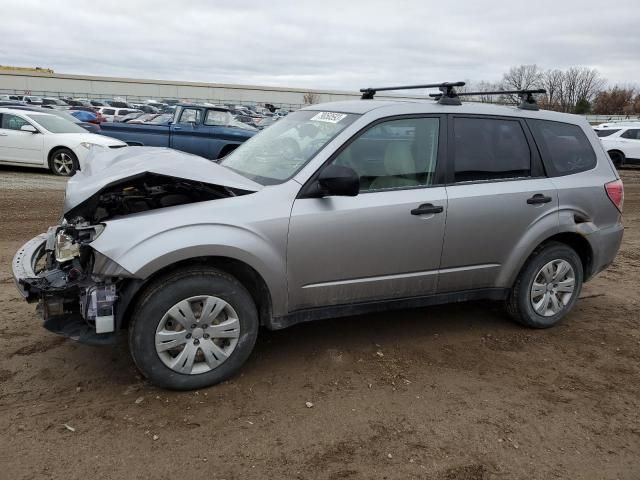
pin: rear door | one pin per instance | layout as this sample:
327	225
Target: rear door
498	194
385	242
19	146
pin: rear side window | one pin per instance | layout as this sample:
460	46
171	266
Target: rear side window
108	111
564	146
489	149
632	133
606	133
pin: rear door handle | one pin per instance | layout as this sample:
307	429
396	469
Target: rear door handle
427	208
2	134
538	198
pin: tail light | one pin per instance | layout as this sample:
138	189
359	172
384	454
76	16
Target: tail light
615	192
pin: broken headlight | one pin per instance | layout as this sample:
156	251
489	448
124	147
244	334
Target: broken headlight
67	242
66	248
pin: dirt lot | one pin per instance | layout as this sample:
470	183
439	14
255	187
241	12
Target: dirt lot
452	392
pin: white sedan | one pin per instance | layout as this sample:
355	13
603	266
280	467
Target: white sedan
35	139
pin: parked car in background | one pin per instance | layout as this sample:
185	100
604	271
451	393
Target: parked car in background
75	102
54	103
30	99
66	114
208	131
621	141
129	116
112	114
45	140
84	116
98	103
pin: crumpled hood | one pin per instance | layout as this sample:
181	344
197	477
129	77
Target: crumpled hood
103	166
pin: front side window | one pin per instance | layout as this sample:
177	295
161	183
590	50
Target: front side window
190	115
280	151
394	154
565	145
489	149
632	134
12	122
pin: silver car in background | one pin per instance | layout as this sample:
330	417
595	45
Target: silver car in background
337	209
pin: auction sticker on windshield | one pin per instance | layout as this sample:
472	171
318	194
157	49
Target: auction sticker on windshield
330	117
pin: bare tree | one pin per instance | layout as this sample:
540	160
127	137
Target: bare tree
579	83
521	77
552	82
310	98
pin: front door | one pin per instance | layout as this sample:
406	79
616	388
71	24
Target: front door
497	194
188	134
16	145
385	242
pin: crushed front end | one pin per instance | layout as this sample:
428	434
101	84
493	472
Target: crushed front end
56	269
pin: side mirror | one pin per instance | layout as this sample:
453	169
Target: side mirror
340	181
29	128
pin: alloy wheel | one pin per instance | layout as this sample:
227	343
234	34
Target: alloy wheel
63	163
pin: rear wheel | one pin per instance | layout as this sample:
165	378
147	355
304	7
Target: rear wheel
193	329
63	162
547	287
617	157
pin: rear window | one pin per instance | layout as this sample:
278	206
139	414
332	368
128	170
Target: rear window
489	149
606	133
564	146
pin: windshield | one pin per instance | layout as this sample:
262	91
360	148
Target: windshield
56	124
278	152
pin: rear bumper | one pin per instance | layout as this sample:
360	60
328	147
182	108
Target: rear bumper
605	244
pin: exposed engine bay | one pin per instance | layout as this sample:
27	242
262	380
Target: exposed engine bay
58	270
143	192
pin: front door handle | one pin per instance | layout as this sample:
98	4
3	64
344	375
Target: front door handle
538	198
2	134
426	209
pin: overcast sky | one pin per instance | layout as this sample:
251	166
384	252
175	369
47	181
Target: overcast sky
320	44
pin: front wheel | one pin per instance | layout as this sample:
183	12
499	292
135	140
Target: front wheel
547	287
193	329
63	162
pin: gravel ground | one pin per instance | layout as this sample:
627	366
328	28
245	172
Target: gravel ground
450	392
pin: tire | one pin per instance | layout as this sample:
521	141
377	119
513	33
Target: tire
522	301
617	157
63	162
156	319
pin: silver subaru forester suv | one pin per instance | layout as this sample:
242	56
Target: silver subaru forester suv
337	209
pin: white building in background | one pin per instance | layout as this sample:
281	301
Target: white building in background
47	83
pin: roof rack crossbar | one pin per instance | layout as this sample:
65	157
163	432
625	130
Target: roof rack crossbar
446	87
528	102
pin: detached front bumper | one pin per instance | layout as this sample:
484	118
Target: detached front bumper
71	302
24	264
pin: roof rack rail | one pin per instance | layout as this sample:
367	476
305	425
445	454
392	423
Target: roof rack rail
528	102
447	88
